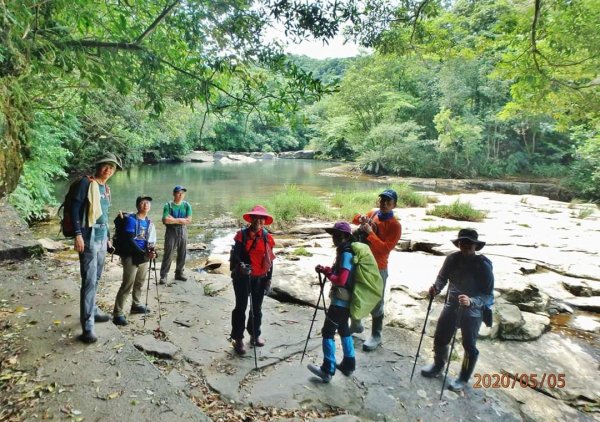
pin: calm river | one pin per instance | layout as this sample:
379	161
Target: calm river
214	188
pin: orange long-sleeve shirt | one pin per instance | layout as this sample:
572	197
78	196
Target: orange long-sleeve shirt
384	238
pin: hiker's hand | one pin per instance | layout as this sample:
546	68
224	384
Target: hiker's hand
433	291
151	254
323	270
464	300
366	227
245	269
267	287
79	245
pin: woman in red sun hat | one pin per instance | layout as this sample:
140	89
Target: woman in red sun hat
251	270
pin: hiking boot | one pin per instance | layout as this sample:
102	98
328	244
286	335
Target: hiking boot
347	366
318	371
101	318
239	347
375	339
87	337
356	326
432	370
466	370
180	277
120	320
139	309
439	361
258	342
163	280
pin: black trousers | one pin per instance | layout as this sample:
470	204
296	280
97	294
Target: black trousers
243	286
337	320
469	327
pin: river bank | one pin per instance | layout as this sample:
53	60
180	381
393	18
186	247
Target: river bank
545	261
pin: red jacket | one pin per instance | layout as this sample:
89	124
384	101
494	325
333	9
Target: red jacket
384	237
255	247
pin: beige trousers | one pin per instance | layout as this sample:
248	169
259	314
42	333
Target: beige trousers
133	281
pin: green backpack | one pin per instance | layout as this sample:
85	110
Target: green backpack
368	284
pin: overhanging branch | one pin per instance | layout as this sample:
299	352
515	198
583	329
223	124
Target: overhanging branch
157	21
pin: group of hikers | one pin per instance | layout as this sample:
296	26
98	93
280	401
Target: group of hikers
469	275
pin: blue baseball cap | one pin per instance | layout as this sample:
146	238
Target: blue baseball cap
179	188
389	193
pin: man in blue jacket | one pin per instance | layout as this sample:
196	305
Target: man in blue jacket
92	238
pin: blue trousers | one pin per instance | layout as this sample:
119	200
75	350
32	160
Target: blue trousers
91	263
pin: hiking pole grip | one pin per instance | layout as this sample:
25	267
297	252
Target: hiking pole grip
321	283
422	335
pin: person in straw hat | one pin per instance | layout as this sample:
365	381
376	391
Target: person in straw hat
251	271
470	296
89	209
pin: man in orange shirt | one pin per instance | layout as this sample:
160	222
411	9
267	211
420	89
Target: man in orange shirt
382	232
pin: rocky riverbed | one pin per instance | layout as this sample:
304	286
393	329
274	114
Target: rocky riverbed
546	322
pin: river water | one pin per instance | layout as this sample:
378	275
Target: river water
213	189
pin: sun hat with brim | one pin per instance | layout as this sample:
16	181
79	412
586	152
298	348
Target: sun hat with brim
340	227
142	198
258	211
110	158
470	235
179	188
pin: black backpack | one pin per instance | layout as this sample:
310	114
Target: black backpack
121	240
67	225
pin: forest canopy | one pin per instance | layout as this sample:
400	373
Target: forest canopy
462	88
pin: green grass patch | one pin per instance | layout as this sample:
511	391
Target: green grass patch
288	205
461	211
585	212
549	211
301	251
524	225
435	229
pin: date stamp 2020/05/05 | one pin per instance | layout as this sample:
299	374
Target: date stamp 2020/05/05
531	380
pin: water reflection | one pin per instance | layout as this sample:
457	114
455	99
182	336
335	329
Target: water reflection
214	188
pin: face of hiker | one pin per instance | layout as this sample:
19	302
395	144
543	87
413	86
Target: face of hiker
257	223
466	247
178	196
386	204
144	206
338	238
104	171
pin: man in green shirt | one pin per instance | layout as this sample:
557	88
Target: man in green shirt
177	214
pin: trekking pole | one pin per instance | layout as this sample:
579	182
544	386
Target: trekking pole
321	283
456	327
157	295
253	321
422	335
147	291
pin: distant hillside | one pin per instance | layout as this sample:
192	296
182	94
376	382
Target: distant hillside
327	70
